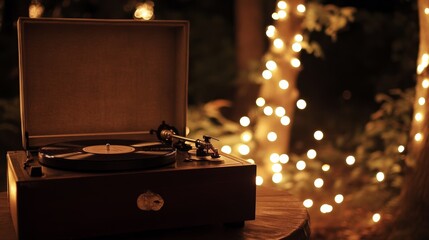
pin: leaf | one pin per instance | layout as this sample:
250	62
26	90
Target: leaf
329	17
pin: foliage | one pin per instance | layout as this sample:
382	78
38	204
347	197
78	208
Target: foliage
208	119
375	150
389	128
327	18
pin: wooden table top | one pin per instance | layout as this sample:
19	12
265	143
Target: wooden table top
278	216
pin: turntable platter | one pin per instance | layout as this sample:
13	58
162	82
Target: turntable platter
106	155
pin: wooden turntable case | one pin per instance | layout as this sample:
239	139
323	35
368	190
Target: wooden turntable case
85	79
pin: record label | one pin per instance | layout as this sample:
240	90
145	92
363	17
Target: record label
108	149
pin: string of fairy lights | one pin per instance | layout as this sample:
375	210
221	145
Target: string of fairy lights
284	55
421	92
270	73
419	124
277	160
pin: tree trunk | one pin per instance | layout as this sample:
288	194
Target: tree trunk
286	30
412	219
250	45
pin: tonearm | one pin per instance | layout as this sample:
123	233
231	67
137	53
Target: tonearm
167	133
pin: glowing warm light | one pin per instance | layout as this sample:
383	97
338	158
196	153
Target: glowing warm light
285	120
326	208
272	136
271	27
259	180
401	148
282	14
301	104
318	182
267	74
318	135
271	65
275	16
427	11
271	31
308	203
300	165
425	83
188	130
350	160
425	58
311	154
282	4
260	102
274	157
246	136
277	167
268	110
326	167
244	121
277	177
296	47
420	68
339	198
226	149
300	8
250	161
284	158
243	149
298	38
144	10
422	101
283	84
379	176
280	111
278	43
418	137
295	62
35	10
376	217
418	117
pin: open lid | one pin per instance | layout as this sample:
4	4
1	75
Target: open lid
85	79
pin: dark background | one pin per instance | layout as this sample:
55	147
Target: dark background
375	53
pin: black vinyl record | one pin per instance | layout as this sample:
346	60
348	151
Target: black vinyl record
106	155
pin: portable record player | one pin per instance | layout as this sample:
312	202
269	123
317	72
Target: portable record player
103	110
